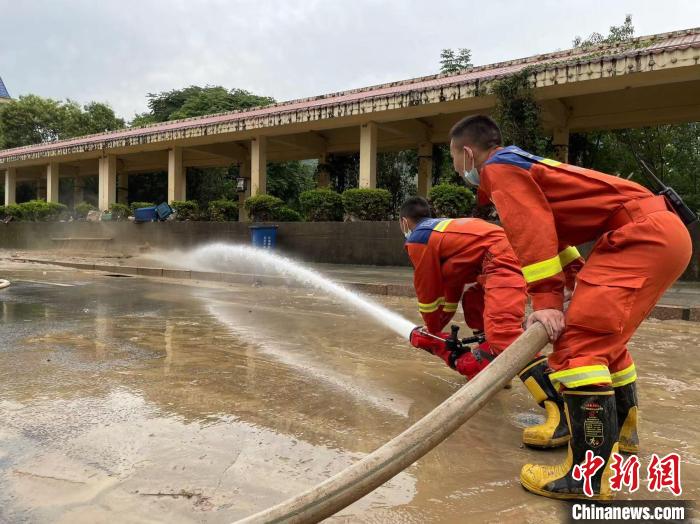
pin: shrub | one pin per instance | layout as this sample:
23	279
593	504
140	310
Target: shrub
367	204
186	209
223	210
83	209
261	208
14	211
40	210
451	201
286	214
119	211
321	205
136	205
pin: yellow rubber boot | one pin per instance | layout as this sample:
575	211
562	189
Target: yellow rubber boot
628	417
592	420
553	432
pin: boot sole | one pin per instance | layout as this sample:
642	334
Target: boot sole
629	450
554	443
563	496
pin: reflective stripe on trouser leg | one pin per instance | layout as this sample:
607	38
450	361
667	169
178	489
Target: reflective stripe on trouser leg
581	376
432	306
624	377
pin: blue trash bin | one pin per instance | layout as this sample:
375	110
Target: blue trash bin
264	237
145	214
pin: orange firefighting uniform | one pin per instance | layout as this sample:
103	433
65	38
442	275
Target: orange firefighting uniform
642	248
447	254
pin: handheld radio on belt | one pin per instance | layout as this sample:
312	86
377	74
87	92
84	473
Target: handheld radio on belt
687	215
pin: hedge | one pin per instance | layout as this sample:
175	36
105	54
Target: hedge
82	209
261	208
286	214
322	205
119	211
36	211
367	204
451	201
223	210
186	209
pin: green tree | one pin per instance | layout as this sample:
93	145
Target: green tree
32	119
197	101
616	34
451	61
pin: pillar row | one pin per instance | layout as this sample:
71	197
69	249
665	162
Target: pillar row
258	166
425	168
368	155
52	179
107	182
244	172
560	142
10	186
177	182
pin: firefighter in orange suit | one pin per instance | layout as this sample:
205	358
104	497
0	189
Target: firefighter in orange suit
449	255
642	247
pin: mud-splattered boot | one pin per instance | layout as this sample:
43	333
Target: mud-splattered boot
628	417
553	432
592	420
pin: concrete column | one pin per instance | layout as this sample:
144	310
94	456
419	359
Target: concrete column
368	155
78	191
123	188
107	182
244	172
10	186
324	177
425	168
41	189
560	141
52	182
176	175
258	166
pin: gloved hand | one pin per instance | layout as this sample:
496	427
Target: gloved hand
471	363
423	340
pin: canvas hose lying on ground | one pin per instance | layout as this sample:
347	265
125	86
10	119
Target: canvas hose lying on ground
392	458
4	283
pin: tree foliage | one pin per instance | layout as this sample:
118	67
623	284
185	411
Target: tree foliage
32	119
197	101
452	61
616	34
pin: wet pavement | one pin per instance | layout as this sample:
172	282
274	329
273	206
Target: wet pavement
128	399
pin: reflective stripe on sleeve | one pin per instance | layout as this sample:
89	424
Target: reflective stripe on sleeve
541	270
432	306
581	376
550	162
442	225
624	377
568	255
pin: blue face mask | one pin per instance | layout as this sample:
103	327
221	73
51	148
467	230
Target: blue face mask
472	177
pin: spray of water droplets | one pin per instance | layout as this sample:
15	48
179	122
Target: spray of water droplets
238	258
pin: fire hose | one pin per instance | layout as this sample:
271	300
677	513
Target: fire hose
4	283
363	477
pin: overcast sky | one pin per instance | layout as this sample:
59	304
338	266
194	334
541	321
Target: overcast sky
117	51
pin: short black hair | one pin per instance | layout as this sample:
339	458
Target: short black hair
415	208
478	130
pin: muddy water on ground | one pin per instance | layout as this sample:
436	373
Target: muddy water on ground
132	400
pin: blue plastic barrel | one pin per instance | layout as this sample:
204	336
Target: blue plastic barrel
264	237
145	214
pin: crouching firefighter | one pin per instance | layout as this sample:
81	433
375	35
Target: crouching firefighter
450	254
642	246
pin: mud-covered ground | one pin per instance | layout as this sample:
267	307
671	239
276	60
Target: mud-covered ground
124	399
